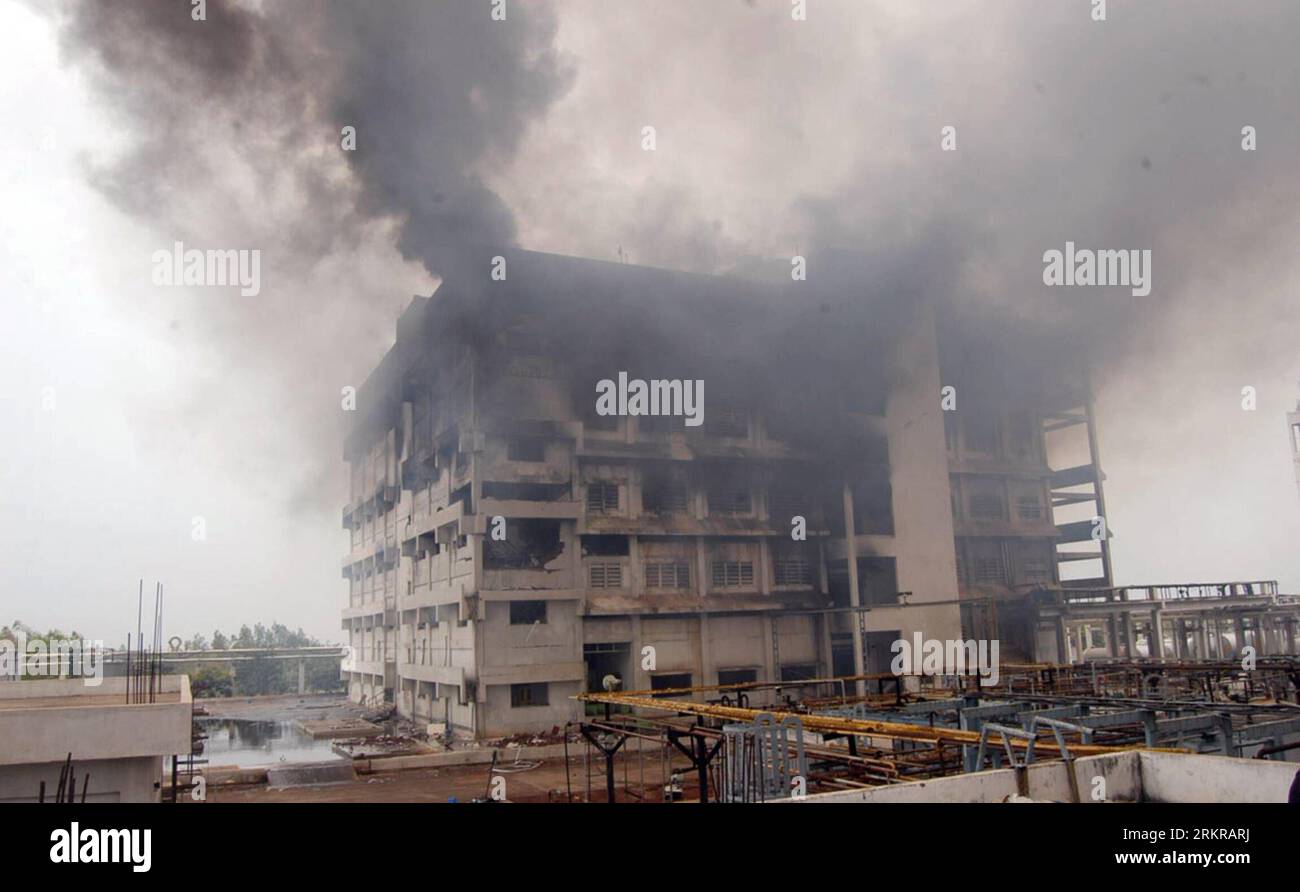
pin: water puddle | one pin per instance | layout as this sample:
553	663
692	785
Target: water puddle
247	743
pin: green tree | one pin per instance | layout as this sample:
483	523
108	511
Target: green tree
212	680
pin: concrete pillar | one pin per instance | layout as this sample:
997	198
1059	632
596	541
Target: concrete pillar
706	675
640	680
635	568
701	567
1203	636
1157	647
1240	632
1290	635
771	671
824	645
855	596
1062	641
1112	631
302	676
1261	635
1130	635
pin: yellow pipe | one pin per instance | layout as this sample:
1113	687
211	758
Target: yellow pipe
862	727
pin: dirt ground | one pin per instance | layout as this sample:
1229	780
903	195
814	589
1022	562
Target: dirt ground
546	783
637	775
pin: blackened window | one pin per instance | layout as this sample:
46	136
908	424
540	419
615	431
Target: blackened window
729	498
667	682
728	422
535	694
663	494
530	450
737	676
525	613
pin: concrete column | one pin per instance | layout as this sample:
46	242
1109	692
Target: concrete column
1062	641
640	680
1157	647
1130	635
855	596
701	567
706	673
1261	635
770	669
824	643
1203	636
1112	632
302	676
635	572
1290	635
1240	631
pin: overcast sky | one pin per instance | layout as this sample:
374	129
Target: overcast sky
129	410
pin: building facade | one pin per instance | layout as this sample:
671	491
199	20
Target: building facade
511	547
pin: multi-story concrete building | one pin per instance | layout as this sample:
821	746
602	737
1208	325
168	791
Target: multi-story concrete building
1028	511
511	547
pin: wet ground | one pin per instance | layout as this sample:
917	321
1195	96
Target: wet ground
252	732
250	743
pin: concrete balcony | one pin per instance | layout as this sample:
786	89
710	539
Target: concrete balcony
437	595
427	523
386	608
526	509
449	676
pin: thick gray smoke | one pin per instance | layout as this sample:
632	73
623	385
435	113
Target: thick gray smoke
436	92
232	136
775	137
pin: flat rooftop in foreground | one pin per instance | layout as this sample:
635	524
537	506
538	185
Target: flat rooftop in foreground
44	720
65	701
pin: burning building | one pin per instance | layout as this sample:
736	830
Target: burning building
514	544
